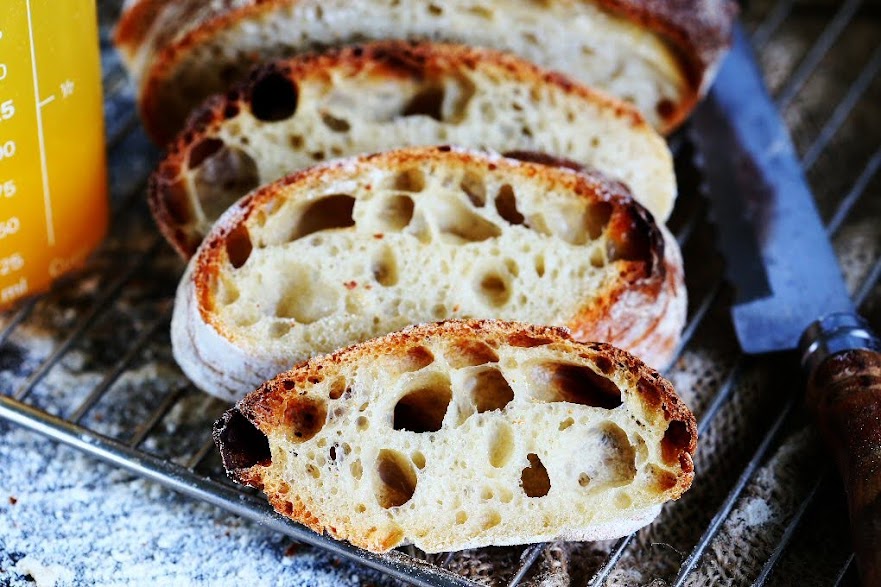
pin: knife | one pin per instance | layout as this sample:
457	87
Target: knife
789	290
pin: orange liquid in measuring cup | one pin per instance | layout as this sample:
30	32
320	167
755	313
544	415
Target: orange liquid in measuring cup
53	192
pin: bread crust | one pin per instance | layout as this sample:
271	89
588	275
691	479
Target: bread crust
267	409
642	307
169	198
697	31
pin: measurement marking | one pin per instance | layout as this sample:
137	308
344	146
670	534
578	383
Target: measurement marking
47	202
46	101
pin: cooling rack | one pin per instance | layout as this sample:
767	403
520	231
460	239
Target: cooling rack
112	320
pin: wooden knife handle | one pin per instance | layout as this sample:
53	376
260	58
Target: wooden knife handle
844	393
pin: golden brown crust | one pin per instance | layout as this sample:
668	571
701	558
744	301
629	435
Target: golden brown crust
699	31
265	408
168	198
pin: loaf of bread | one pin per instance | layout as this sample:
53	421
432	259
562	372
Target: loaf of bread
658	54
354	249
363	99
464	434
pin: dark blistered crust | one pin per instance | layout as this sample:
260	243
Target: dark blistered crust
699	31
597	320
389	59
265	407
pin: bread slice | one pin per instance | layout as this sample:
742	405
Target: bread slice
354	249
464	434
657	54
388	95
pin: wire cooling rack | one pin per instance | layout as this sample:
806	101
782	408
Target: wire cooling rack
110	323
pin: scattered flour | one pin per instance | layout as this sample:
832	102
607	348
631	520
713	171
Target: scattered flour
66	519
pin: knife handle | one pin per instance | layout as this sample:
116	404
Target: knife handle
843	359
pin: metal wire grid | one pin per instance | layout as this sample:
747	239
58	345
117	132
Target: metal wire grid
131	158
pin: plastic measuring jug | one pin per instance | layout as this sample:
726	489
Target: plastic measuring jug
53	184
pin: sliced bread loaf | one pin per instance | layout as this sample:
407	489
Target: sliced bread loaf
464	434
387	95
657	54
357	248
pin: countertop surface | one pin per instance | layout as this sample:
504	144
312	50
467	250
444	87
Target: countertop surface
67	519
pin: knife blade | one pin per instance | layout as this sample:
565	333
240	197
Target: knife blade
789	290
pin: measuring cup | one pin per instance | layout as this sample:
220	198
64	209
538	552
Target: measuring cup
53	184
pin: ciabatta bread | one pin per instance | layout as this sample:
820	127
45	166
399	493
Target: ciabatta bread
291	114
658	54
465	434
354	249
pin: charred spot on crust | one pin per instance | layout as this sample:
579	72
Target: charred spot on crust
274	97
241	444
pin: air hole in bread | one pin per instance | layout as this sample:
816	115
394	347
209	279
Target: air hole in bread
460	224
335	124
577	384
613	457
474	187
461	517
623	501
664	480
539	264
534	478
583	480
385	267
395	213
501	445
304	417
506	205
486	494
418	459
397	479
494	289
630	245
665	108
337	388
435	10
203	150
409	180
677	439
325	214
222	177
470	353
414	359
428	102
491	519
565	424
238	246
305	297
242	445
597	258
274	98
596	218
489	390
356	471
279	329
423	409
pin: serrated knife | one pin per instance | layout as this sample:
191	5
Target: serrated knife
789	288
